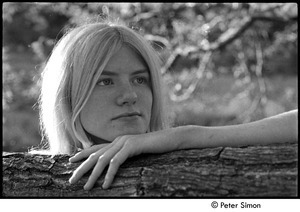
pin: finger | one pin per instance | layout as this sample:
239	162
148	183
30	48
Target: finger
101	164
86	153
98	169
83	168
87	165
114	165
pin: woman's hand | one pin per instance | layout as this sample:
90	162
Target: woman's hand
115	153
86	153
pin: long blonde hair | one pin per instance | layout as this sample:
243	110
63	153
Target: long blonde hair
71	73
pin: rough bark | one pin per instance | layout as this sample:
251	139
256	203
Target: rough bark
254	171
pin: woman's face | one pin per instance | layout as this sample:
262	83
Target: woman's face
121	101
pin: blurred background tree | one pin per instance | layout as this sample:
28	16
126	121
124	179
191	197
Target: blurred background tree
223	63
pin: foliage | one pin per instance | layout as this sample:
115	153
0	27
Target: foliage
244	44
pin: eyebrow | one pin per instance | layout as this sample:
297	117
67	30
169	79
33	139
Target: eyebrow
109	73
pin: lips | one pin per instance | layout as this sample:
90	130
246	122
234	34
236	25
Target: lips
123	115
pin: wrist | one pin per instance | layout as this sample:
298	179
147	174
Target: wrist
166	140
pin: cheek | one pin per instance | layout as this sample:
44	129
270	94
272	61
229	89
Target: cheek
147	101
94	110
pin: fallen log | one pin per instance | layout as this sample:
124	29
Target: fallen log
253	171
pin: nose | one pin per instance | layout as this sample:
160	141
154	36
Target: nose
127	96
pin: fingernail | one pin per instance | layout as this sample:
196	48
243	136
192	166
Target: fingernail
86	187
104	185
72	179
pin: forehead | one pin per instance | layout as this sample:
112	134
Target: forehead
125	59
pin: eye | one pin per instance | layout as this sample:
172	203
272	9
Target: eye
140	80
105	82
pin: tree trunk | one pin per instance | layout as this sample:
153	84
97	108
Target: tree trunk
253	171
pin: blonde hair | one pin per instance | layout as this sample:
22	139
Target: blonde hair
71	73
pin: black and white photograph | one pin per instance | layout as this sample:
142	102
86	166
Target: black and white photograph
150	100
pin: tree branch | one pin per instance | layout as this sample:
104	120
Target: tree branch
254	171
226	38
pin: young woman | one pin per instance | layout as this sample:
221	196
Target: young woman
101	92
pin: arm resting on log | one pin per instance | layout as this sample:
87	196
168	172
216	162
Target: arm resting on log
253	171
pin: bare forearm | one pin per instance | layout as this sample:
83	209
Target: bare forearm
282	128
277	129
